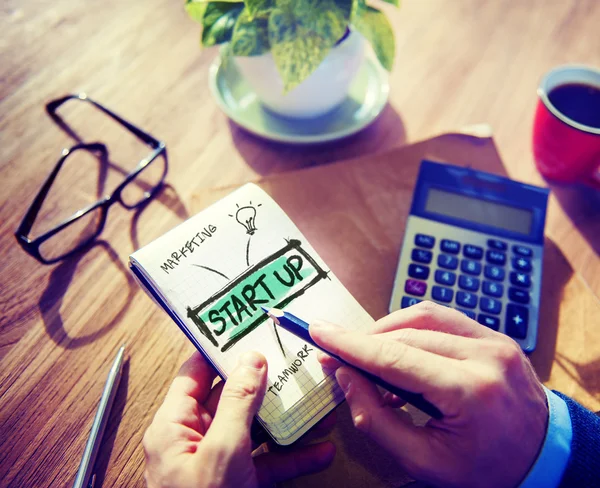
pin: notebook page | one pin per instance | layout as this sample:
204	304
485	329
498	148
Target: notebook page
219	267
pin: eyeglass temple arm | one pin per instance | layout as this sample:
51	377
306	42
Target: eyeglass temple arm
27	223
52	106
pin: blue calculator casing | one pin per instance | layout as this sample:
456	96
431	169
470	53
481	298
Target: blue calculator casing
491	273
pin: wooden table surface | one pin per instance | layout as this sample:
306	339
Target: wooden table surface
458	63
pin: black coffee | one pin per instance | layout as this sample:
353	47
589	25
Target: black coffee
579	102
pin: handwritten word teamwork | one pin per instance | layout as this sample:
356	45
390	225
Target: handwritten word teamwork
291	370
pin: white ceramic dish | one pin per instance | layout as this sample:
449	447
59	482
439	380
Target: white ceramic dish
366	99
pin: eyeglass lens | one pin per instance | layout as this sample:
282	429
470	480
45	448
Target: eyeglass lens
145	182
78	185
73	236
86	177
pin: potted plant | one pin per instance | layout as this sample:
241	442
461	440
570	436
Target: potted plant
299	56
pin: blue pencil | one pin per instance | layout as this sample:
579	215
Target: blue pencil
299	328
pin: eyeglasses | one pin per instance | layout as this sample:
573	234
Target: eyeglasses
79	230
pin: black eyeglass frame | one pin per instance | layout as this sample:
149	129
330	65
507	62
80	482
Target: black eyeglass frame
32	246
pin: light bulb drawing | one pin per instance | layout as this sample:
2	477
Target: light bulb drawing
246	216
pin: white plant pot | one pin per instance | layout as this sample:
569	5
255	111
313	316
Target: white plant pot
321	92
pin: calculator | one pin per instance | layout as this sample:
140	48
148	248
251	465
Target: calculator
474	241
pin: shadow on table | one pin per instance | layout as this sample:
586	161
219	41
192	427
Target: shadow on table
557	272
584	374
51	300
112	428
60	279
582	204
168	197
265	156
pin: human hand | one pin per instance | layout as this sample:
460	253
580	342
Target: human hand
200	437
494	406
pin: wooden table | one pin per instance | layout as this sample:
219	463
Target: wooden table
457	63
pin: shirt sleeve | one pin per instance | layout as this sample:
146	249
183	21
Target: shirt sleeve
552	461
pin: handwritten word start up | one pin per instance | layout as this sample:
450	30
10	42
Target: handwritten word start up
259	291
274	282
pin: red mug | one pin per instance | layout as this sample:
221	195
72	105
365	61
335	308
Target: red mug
566	144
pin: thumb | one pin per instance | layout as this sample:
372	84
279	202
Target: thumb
371	414
241	398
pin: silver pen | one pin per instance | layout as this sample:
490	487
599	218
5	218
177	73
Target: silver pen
85	477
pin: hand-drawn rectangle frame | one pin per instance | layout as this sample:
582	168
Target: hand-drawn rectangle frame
293	244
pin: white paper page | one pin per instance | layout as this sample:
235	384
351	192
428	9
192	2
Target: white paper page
219	267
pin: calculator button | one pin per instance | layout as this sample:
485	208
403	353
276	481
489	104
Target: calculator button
445	277
442	294
409	302
496	244
520	279
421	256
492	289
494	273
489	321
468	283
418	271
495	257
470	267
521	264
448	262
415	287
423	240
449	246
518	295
517	317
468	313
490	305
523	251
466	299
473	252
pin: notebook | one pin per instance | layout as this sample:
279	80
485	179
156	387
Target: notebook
212	274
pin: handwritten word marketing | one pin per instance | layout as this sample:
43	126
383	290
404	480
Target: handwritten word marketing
188	248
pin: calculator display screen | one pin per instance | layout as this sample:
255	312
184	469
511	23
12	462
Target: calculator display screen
479	211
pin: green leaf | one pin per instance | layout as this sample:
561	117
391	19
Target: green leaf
393	2
327	18
219	21
376	28
195	9
250	37
216	10
301	34
258	7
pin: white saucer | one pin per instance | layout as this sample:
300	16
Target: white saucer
366	99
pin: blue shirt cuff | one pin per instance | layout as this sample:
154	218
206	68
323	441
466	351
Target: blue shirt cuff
552	461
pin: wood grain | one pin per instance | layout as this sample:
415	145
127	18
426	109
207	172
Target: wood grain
457	63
